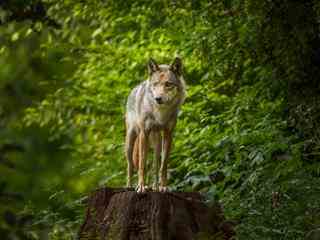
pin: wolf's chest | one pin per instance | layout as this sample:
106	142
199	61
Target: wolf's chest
159	119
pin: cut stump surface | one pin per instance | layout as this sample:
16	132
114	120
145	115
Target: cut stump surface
123	214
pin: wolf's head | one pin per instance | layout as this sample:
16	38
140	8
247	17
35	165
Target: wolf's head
166	82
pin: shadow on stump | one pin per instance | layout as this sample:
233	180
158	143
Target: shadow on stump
123	214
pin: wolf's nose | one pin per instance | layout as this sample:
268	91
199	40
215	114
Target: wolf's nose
158	100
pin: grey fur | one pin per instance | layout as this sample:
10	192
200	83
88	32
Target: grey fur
147	119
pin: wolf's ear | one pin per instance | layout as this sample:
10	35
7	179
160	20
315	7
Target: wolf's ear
152	66
176	66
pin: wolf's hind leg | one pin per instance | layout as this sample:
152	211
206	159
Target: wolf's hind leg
130	140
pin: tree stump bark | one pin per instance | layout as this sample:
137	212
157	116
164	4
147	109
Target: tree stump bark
123	214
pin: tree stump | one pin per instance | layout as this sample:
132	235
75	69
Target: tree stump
123	214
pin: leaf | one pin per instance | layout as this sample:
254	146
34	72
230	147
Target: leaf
15	36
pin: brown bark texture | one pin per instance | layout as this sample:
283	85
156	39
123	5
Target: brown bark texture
123	214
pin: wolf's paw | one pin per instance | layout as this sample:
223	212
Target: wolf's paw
163	189
141	188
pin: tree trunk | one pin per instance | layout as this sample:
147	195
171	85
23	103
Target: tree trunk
123	214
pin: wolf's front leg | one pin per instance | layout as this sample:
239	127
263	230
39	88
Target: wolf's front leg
157	159
143	151
130	139
166	148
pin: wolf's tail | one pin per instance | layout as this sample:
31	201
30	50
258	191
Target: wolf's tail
135	155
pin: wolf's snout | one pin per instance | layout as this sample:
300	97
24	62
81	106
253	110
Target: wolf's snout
158	100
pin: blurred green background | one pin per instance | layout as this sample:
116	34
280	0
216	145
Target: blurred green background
247	136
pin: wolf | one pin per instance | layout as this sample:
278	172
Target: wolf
151	116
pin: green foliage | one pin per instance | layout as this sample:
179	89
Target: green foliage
251	111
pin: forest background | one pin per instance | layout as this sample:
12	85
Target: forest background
248	134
